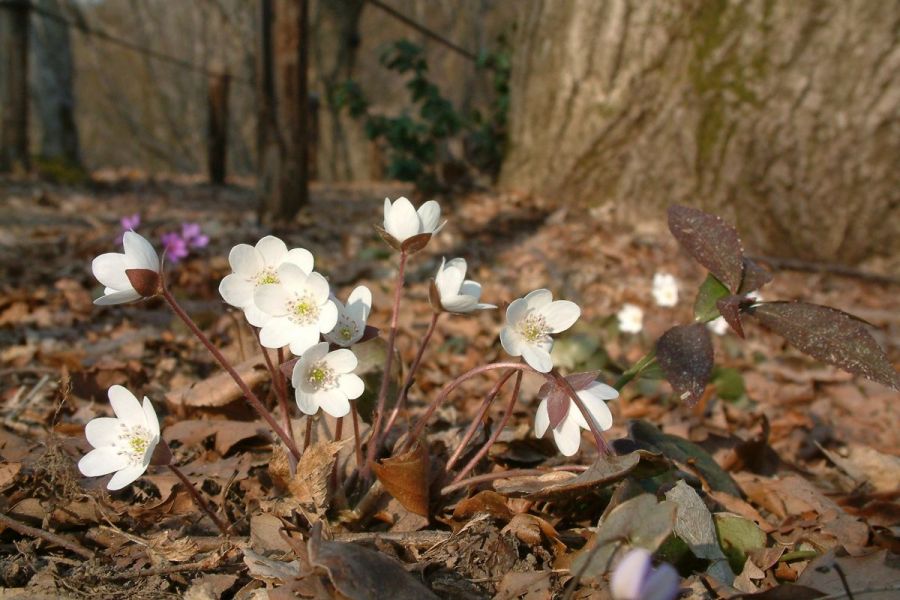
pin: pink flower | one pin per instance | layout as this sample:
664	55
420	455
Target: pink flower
176	248
191	234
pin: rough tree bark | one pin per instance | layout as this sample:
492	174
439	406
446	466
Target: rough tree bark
14	32
283	107
52	84
780	115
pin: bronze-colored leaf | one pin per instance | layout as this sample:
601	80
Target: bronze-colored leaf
405	477
755	276
413	244
145	282
829	335
685	353
711	242
730	309
388	238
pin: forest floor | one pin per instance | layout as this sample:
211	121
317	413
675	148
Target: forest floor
811	454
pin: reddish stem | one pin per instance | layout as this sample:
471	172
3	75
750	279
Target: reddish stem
335	473
448	388
375	438
505	474
307	440
602	446
410	377
277	384
499	429
473	427
198	499
356	440
248	393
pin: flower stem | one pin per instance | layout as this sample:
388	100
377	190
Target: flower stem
307	440
510	473
448	388
278	384
356	440
375	438
248	393
198	499
499	429
410	377
473	426
336	470
635	370
602	446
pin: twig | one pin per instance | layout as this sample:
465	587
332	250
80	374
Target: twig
198	499
506	474
419	539
208	564
793	264
57	540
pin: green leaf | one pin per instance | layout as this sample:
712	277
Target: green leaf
711	242
687	454
705	305
737	537
829	335
685	353
729	383
694	524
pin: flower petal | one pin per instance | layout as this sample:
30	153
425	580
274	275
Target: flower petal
538	298
334	402
560	315
600	390
272	298
139	253
627	580
328	316
102	461
541	419
272	250
277	332
516	310
301	257
318	287
459	304
429	216
117	298
126	406
255	316
150	416
342	361
124	477
567	436
402	221
511	341
470	288
449	279
352	385
538	358
293	278
102	431
306	402
359	304
245	260
662	584
304	338
236	290
109	269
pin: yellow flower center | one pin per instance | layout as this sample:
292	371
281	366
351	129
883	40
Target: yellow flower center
267	276
304	310
133	443
533	328
321	377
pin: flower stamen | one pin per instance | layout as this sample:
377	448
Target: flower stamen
321	376
134	442
304	310
533	328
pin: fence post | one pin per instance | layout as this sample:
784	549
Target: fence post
217	127
14	87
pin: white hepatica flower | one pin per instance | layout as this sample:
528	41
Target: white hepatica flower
325	380
567	433
665	289
110	269
719	326
635	578
299	307
631	318
351	320
124	444
529	323
254	266
458	294
403	221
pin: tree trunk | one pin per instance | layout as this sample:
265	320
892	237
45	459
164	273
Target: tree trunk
283	107
54	99
14	87
782	116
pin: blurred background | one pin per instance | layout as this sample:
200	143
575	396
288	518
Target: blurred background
780	116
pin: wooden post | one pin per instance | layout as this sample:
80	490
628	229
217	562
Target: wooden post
283	145
217	127
14	87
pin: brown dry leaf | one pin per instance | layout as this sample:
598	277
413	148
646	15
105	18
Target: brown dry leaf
531	484
405	477
78	298
605	470
174	550
878	572
268	570
220	389
532	530
310	483
865	464
485	501
535	585
265	533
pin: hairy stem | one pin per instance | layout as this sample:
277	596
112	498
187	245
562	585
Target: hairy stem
198	499
635	370
356	440
220	358
278	384
487	446
375	438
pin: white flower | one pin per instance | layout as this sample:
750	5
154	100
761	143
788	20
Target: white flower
402	221
458	294
567	434
110	269
325	380
718	326
631	318
529	323
123	444
351	320
635	578
665	289
256	266
755	296
299	306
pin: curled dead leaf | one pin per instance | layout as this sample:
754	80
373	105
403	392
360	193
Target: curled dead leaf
405	477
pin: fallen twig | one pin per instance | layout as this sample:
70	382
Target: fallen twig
53	538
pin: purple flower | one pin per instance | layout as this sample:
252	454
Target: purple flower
175	246
635	578
130	222
192	235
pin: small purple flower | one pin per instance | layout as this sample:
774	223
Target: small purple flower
130	222
635	578
192	235
175	246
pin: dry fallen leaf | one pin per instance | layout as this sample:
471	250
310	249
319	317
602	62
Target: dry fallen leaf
405	477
